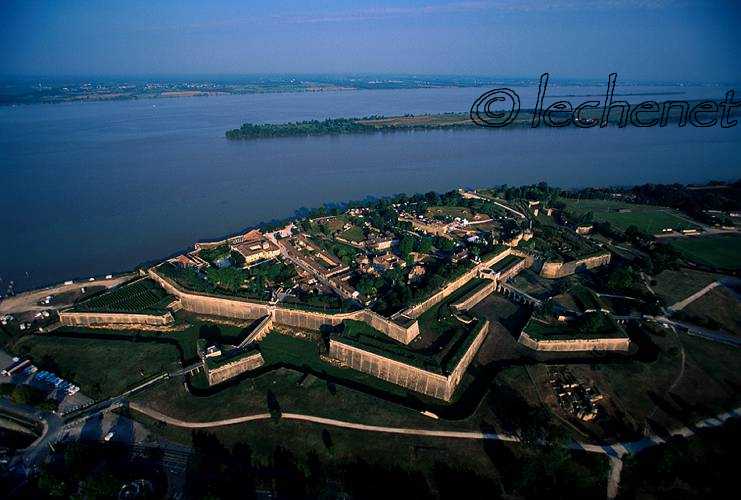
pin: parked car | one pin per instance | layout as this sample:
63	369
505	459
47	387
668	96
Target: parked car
29	370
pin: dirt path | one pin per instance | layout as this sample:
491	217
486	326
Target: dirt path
325	421
614	452
684	303
613	480
679	376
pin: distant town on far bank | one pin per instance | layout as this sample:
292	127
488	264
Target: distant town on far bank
57	89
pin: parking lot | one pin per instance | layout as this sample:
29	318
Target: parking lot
62	391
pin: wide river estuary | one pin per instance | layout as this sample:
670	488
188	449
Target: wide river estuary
93	188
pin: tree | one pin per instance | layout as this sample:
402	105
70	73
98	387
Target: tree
327	439
663	257
209	332
424	245
229	278
290	481
26	395
406	245
100	485
592	323
632	233
51	484
273	406
622	279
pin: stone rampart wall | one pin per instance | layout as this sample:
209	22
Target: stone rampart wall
70	318
457	374
574	345
231	370
475	297
411	377
417	310
561	269
309	320
526	262
386	326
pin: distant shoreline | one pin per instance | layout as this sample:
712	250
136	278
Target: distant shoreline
411	122
177	91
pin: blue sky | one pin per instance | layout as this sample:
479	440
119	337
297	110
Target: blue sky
689	40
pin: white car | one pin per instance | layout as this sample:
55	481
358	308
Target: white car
108	436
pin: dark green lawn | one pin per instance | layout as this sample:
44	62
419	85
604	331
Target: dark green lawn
101	368
720	252
648	218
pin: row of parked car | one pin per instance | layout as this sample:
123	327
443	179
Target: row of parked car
52	380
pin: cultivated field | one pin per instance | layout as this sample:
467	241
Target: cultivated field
141	296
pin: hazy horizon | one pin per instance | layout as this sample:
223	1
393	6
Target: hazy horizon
519	78
641	40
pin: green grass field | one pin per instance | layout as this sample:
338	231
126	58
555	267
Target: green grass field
354	234
455	468
712	377
312	396
672	286
446	211
648	218
720	252
717	309
101	368
302	354
705	462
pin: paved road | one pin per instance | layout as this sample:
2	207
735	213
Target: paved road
23	461
56	427
287	254
697	331
28	301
